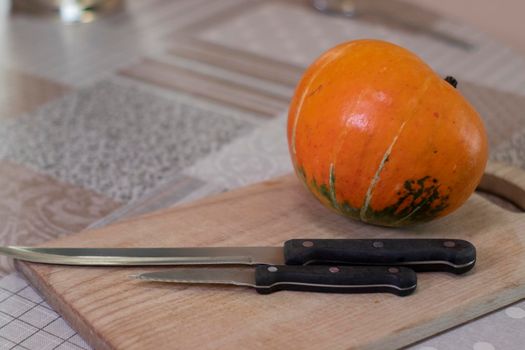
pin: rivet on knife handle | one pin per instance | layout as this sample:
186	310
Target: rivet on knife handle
450	255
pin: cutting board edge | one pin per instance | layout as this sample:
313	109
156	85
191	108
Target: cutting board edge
64	309
434	327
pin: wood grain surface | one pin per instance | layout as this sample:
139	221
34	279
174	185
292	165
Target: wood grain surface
22	93
112	311
35	208
170	76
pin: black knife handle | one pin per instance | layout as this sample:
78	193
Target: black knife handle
335	279
449	255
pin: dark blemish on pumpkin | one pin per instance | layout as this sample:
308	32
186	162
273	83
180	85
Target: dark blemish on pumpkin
452	81
436	114
316	90
421	200
435	151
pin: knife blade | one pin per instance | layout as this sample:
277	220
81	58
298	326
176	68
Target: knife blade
450	255
267	279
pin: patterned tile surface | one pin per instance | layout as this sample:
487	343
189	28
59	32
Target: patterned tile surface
254	157
512	151
116	139
35	208
293	32
21	93
26	320
177	189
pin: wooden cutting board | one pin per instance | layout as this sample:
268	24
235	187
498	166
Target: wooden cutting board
112	311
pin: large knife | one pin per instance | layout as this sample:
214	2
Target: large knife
451	255
271	278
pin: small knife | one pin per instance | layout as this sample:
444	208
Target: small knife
267	279
450	255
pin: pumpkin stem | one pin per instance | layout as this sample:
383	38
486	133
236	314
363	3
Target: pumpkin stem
452	81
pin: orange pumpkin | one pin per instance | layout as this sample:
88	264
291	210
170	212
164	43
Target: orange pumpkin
377	135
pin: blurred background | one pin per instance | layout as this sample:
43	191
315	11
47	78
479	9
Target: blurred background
500	19
110	109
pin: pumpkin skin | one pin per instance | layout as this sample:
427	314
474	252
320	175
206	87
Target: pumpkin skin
375	134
